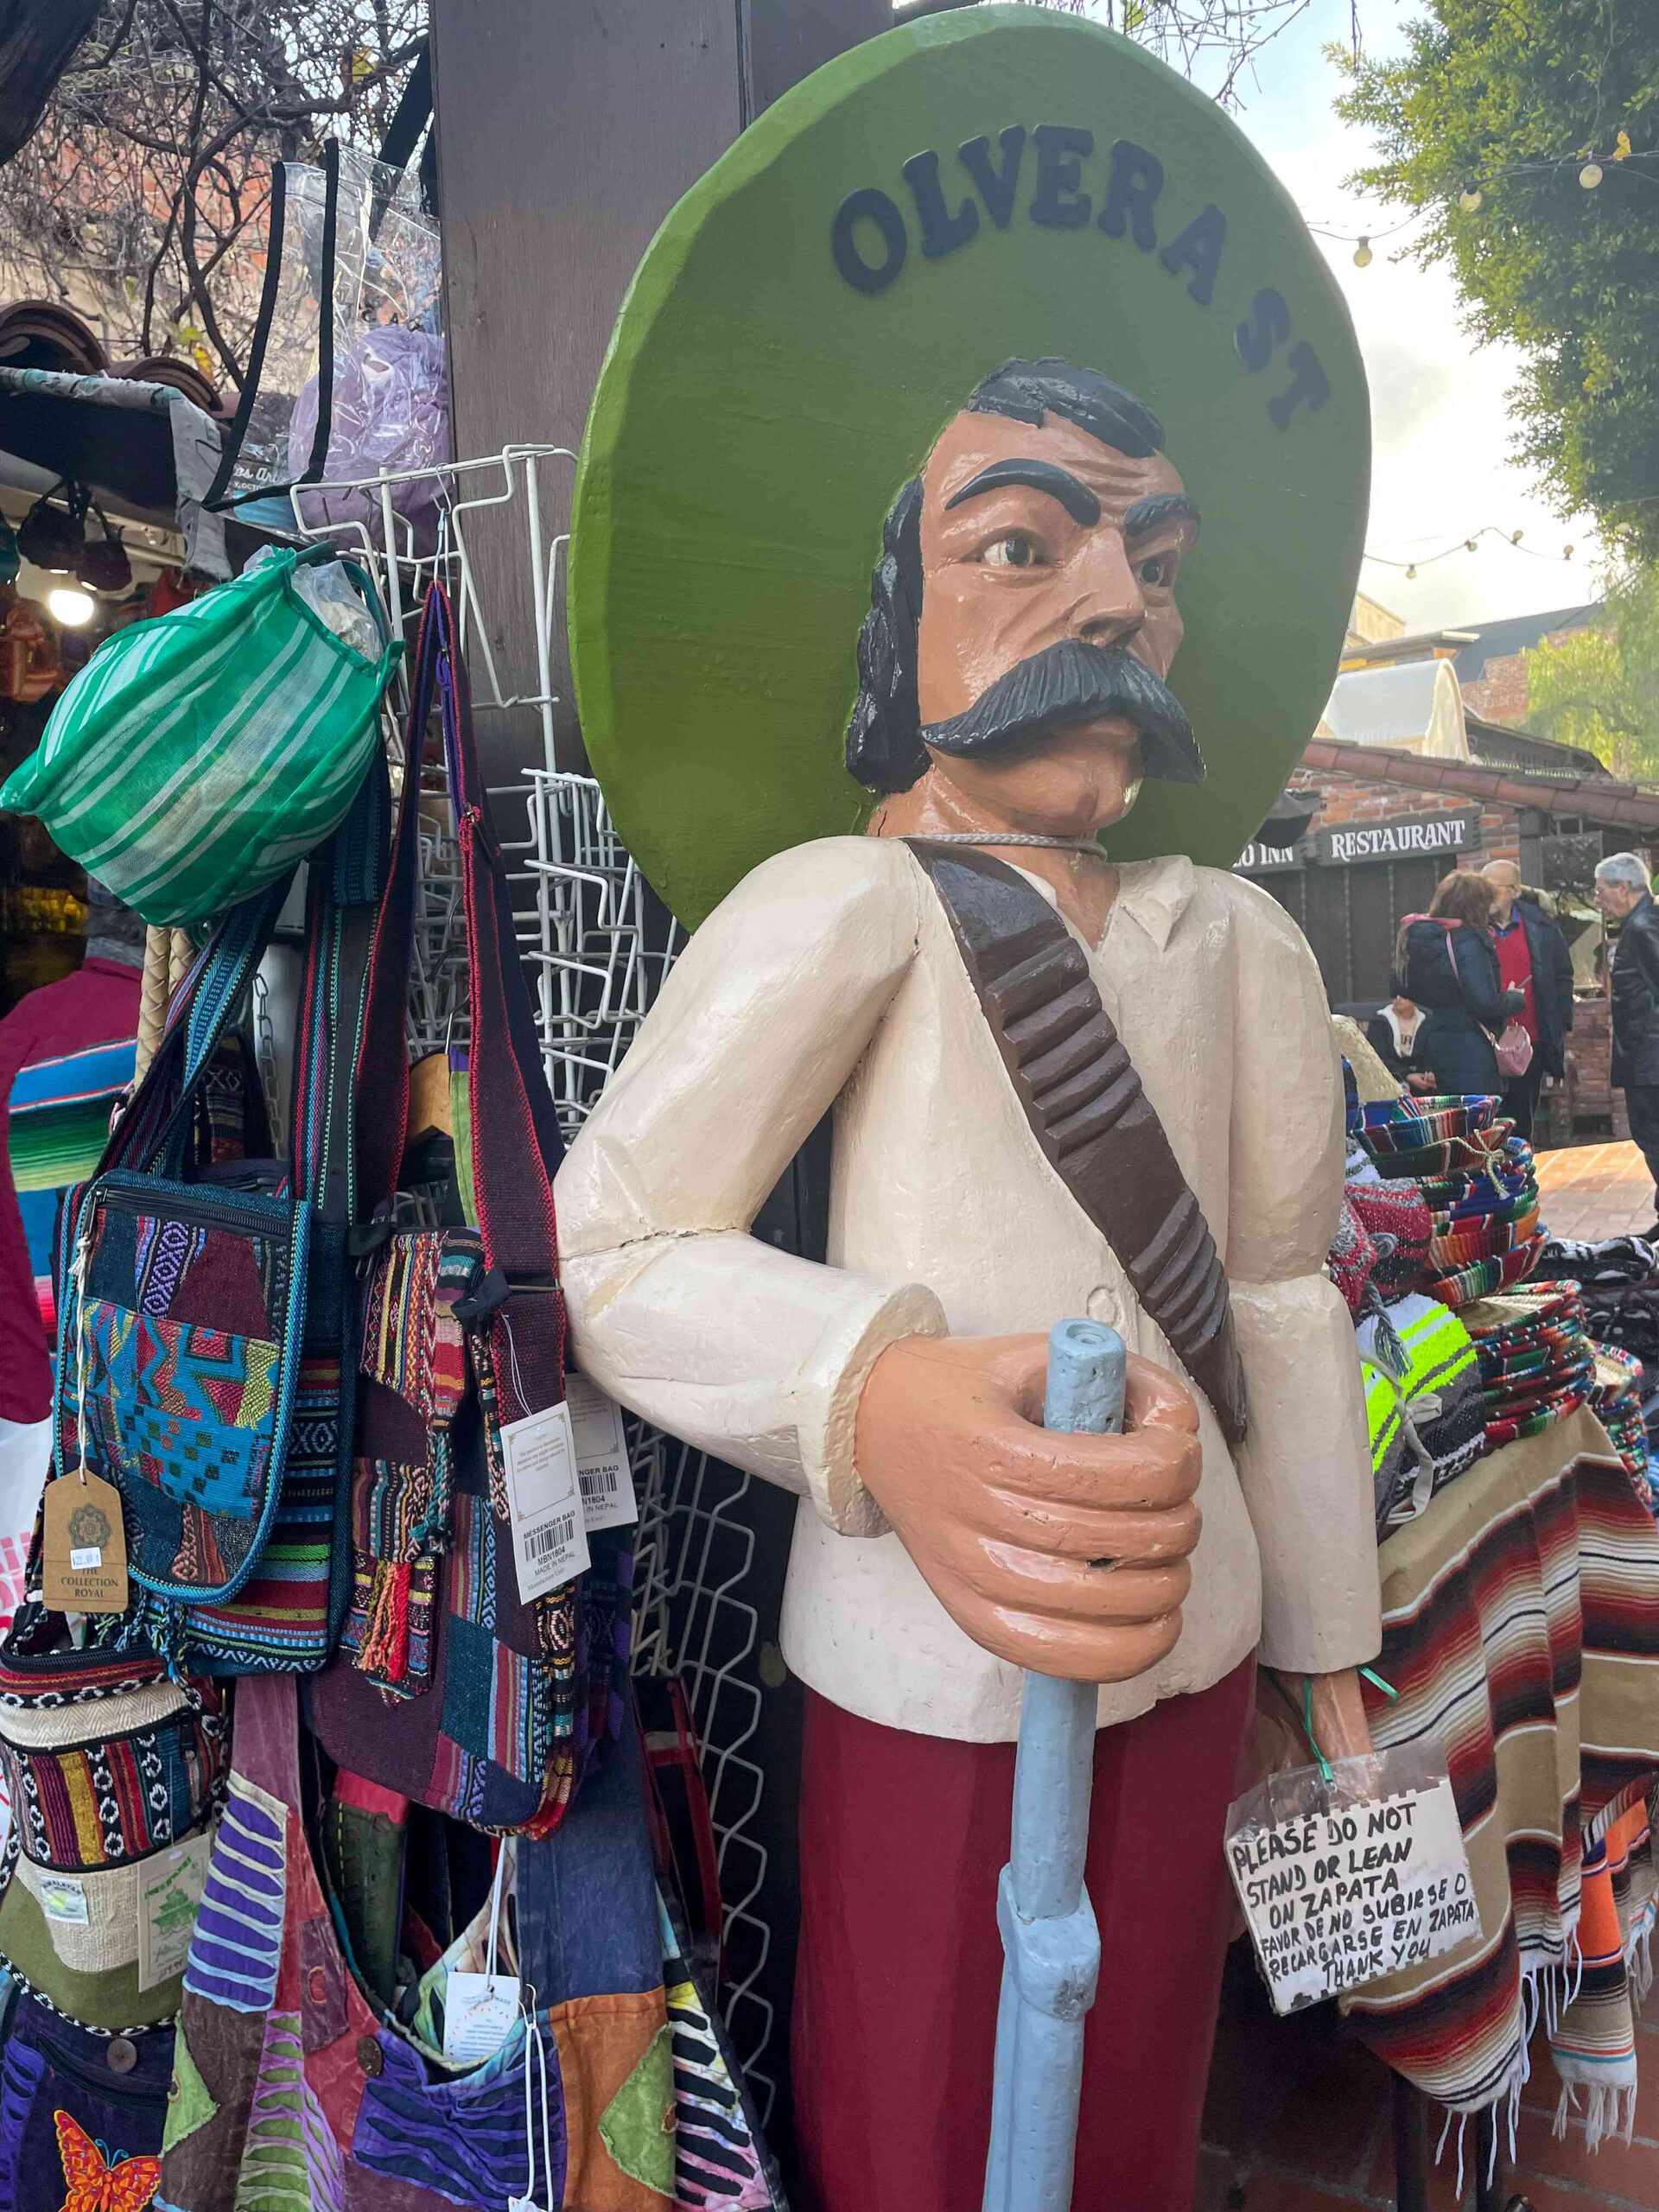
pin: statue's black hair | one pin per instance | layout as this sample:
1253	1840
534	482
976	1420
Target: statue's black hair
884	745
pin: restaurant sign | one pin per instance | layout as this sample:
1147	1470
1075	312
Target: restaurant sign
1409	836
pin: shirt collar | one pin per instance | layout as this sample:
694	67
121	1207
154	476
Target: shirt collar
1155	894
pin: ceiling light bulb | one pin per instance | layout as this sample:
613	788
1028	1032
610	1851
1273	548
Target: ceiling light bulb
1590	175
75	609
1363	254
1469	198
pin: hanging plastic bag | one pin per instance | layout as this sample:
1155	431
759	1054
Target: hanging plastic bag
197	757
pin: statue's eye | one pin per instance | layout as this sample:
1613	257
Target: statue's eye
1013	551
1157	572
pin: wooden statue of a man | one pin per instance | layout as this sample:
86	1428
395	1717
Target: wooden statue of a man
1062	1084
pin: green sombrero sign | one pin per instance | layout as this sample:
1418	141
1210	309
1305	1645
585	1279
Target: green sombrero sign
993	183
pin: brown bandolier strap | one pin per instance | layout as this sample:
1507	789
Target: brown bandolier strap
1097	1127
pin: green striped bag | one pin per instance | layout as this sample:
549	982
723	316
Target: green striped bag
197	757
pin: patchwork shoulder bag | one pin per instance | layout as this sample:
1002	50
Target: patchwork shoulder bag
448	1689
207	1337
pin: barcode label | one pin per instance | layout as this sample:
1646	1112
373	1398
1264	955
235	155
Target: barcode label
553	1536
550	1540
607	1480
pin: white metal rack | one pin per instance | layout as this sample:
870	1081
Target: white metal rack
599	950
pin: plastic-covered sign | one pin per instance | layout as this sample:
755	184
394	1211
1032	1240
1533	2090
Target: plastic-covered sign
1350	1871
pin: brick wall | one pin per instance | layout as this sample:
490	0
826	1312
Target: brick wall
1500	691
1351	798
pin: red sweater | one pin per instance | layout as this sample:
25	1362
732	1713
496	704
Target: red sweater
1515	966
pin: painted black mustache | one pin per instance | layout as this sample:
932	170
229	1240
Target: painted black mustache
1076	681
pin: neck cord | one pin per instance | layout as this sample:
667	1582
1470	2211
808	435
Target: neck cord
1015	837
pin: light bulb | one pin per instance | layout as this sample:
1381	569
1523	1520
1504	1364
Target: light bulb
1567	552
1469	198
1516	536
1411	575
75	609
1470	545
1590	175
1363	254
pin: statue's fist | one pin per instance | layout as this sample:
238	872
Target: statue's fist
1061	1553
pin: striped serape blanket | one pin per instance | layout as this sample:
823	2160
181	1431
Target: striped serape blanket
59	1126
1521	1630
1593	2043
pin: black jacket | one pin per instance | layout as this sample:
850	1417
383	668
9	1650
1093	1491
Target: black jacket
1452	973
1635	997
1552	982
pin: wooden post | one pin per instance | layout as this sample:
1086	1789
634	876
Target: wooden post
564	136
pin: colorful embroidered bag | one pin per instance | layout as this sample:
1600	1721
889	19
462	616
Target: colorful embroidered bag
207	1332
80	2115
447	1688
111	1764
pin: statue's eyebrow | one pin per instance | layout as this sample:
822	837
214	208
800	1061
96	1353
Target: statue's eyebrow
1060	484
1147	515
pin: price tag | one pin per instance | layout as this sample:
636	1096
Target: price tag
169	1889
478	2011
550	1540
602	1469
63	1899
1348	1880
83	1546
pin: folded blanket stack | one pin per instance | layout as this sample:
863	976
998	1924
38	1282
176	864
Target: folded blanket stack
1616	1395
1537	1364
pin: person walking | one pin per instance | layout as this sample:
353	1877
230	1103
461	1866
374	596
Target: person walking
1532	957
1447	963
1623	892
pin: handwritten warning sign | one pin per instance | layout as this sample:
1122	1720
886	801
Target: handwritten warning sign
1354	1883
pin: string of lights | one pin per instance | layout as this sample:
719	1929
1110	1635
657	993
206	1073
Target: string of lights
1470	544
1592	169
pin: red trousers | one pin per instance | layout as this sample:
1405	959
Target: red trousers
902	1840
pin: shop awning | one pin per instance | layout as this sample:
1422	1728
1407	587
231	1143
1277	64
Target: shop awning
1592	798
144	450
1416	706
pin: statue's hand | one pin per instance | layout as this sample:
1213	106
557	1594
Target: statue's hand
1065	1553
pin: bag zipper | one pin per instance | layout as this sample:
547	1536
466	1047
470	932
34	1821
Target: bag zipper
175	1202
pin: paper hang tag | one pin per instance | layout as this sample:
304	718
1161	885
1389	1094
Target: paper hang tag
83	1546
1346	1880
63	1900
602	1468
550	1540
169	1889
478	2011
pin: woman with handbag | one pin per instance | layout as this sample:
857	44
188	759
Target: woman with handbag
1448	965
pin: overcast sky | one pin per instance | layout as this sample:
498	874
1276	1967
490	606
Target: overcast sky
1442	438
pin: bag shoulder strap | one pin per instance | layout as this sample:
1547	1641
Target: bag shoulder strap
1084	1102
515	1143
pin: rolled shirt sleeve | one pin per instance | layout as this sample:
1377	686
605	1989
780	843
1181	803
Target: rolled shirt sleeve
1304	1466
739	1348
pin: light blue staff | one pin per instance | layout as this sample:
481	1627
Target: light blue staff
1051	1945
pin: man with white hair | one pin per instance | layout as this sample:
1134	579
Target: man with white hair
1533	958
1625	895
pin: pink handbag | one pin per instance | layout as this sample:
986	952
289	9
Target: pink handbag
1513	1050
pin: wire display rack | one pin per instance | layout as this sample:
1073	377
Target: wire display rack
597	947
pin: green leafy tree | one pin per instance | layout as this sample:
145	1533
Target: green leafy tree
1600	687
1508	103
